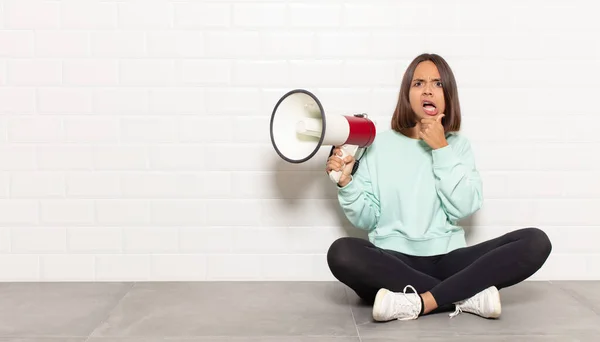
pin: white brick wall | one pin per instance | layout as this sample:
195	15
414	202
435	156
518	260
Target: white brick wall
134	139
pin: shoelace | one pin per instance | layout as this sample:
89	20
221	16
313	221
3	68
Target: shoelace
412	307
456	312
459	306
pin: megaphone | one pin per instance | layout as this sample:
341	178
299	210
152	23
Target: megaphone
300	127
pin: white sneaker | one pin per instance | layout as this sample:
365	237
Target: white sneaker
401	306
485	304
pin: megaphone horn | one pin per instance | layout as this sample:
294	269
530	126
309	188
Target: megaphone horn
299	128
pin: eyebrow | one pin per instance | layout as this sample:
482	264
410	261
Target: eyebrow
422	80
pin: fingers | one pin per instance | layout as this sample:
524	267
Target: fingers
335	163
437	119
337	151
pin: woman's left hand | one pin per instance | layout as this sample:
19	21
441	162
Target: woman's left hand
432	132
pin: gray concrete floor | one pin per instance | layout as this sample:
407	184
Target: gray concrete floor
277	311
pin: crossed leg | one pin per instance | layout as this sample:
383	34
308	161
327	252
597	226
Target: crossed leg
501	262
444	279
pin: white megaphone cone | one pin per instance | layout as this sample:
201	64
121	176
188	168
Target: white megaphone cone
299	128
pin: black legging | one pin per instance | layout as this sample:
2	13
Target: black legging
457	275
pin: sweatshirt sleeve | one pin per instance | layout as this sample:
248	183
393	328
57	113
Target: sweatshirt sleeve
358	199
458	182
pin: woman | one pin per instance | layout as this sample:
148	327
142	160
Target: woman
410	189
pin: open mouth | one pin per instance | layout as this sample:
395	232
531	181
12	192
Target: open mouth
429	108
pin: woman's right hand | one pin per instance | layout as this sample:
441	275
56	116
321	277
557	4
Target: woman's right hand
335	163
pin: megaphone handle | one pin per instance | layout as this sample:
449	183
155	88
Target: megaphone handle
346	151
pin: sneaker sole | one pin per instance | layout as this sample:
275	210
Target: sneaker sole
377	305
497	305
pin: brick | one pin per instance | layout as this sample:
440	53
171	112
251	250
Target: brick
67	212
124	101
179	267
92	240
179	213
92	184
218	185
206	72
343	45
145	14
16	44
89	14
31	14
233	213
115	267
383	15
232	44
90	72
247	157
37	184
373	73
14	267
315	15
159	184
33	72
119	157
148	130
202	15
61	44
317	73
223	267
141	72
92	130
42	240
176	44
325	213
177	157
120	212
209	129
275	267
35	130
259	15
150	240
118	44
204	239
65	100
61	157
67	268
391	44
18	157
17	100
219	101
260	73
290	44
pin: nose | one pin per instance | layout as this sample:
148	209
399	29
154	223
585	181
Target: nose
427	89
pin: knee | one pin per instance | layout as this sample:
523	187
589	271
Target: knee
539	243
340	254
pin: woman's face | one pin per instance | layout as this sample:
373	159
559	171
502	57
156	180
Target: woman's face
426	92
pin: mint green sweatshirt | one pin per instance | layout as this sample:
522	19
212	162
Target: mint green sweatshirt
410	197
